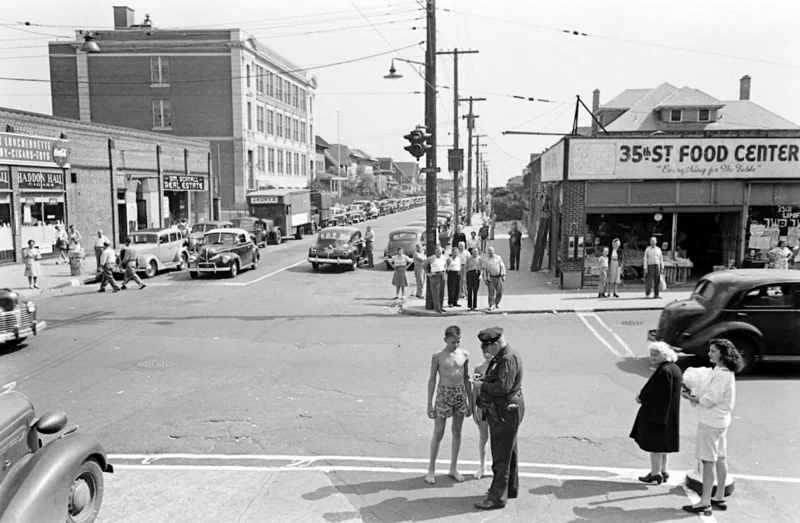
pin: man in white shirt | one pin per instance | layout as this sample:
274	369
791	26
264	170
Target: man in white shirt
369	239
435	269
494	274
100	242
419	270
653	267
108	259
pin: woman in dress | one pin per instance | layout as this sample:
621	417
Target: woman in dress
31	257
400	262
615	263
656	429
603	283
715	404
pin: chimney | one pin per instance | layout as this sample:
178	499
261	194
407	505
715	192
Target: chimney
595	109
744	87
123	17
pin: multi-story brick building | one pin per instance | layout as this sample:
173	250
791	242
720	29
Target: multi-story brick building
254	106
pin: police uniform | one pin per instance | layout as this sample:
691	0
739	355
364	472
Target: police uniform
500	398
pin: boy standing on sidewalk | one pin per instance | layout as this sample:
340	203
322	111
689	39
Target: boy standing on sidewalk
453	398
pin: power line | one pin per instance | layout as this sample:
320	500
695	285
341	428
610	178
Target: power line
498	145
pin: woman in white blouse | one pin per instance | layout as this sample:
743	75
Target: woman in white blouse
400	262
715	404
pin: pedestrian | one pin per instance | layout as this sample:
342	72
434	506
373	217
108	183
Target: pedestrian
108	260
99	246
61	244
603	282
492	223
129	263
780	256
453	278
435	267
463	255
474	267
616	261
653	268
419	270
715	400
30	257
369	238
183	226
450	367
459	237
74	238
484	234
472	241
500	399
514	246
480	420
656	429
400	262
494	274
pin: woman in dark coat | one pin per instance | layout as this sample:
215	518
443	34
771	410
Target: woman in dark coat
656	429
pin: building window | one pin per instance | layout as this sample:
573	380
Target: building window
162	114
271	160
280	126
675	115
287	93
259	119
288	132
261	162
270	90
311	133
303	132
280	162
279	88
304	171
288	163
247	75
251	179
249	116
302	99
704	115
270	122
159	70
296	130
259	79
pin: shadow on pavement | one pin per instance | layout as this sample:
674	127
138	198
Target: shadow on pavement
400	509
615	515
639	366
579	488
11	348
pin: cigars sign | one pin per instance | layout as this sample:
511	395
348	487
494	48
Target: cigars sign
38	151
683	158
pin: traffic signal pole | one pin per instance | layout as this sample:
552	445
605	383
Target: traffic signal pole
431	192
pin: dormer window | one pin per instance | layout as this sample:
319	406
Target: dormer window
675	115
704	115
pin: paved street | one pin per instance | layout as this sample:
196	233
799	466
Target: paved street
289	395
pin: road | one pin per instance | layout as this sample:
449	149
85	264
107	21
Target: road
289	395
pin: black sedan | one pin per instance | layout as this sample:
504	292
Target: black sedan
338	246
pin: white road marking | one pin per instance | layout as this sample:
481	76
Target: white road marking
628	351
694	498
273	273
582	316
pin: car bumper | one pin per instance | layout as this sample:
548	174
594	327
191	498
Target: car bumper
333	261
23	333
209	268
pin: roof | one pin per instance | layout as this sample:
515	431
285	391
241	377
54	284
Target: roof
754	276
686	97
320	142
626	99
739	114
338	151
340	228
358	153
228	230
641	116
325	177
409	170
275	192
214	221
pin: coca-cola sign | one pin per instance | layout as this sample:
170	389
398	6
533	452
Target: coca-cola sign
39	151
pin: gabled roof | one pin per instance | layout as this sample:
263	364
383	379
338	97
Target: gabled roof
641	116
358	153
686	97
626	99
320	142
339	151
745	114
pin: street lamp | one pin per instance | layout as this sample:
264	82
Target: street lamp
393	74
89	45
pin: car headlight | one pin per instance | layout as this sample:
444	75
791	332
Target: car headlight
226	259
31	306
312	250
192	257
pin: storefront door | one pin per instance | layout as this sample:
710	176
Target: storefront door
42	206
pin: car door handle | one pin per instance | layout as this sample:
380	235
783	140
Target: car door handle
741	314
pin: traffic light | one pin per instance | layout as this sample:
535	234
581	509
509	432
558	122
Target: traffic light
418	139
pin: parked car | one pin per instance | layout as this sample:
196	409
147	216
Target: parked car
17	319
57	481
259	228
224	251
199	229
356	213
158	250
406	238
338	217
756	309
370	209
337	246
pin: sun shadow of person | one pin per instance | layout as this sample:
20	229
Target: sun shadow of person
401	509
374	487
616	514
579	488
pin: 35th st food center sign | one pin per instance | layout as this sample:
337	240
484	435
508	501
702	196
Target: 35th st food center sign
676	158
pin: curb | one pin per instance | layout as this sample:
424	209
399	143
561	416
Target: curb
75	282
424	312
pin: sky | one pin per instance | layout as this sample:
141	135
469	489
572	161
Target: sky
525	48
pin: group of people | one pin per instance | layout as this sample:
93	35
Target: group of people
65	241
612	264
108	260
657	424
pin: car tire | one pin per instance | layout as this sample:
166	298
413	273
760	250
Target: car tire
747	349
194	275
234	270
314	266
354	264
184	264
86	493
151	270
298	235
255	261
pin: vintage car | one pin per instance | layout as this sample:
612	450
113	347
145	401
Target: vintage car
259	228
57	481
338	246
201	228
226	251
370	209
339	217
357	214
756	309
17	318
406	238
157	250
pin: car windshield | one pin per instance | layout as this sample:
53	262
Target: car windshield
334	236
203	227
144	238
403	236
221	238
703	290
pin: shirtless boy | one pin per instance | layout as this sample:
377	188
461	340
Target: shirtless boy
480	421
453	398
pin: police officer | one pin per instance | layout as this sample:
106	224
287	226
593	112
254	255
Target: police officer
500	397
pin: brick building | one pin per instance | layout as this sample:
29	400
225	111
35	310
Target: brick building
714	181
219	85
56	171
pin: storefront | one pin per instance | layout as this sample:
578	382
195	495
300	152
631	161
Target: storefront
6	217
185	196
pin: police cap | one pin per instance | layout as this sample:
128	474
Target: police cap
490	335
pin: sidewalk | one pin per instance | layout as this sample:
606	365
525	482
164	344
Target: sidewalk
53	277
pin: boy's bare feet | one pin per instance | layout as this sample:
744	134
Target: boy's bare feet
430	478
456	476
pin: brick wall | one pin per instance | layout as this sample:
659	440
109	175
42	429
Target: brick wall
64	81
573	221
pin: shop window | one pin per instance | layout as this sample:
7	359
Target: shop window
6	234
159	70
704	115
162	114
40	214
675	115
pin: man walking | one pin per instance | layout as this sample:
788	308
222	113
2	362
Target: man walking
108	259
129	257
100	242
494	274
653	267
435	268
514	246
419	270
484	234
459	237
500	399
369	238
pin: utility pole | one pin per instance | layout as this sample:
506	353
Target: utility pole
470	126
478	179
431	190
456	155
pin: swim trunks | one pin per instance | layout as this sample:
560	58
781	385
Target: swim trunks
451	401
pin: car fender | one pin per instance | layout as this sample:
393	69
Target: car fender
143	260
43	482
179	254
698	343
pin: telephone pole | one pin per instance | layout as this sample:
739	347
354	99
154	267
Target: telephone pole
470	126
456	155
478	171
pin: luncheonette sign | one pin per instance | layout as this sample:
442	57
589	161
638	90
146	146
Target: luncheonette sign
676	158
21	149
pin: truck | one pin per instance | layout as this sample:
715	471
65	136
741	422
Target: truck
289	210
321	209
